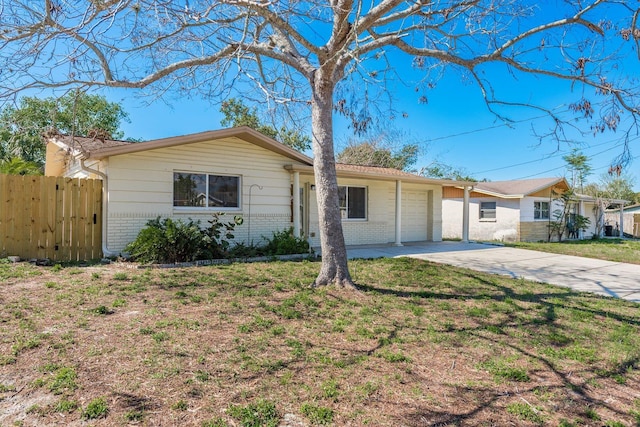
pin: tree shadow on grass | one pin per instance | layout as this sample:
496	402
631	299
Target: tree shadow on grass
135	403
540	321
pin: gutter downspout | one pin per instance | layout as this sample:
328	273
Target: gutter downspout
106	252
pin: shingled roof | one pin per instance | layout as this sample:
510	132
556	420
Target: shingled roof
89	145
94	148
518	188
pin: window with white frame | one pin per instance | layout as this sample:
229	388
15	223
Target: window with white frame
200	190
353	202
540	210
487	210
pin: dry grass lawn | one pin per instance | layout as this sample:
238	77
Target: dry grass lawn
251	345
616	250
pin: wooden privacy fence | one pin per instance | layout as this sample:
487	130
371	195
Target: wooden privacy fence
50	217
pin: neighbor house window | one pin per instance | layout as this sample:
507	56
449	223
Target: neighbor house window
487	210
206	191
353	202
540	210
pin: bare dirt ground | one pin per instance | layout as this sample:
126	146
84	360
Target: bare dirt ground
420	345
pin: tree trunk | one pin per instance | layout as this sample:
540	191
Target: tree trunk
334	252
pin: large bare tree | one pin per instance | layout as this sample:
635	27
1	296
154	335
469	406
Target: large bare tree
317	51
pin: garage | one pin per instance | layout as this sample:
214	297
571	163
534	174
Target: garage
414	216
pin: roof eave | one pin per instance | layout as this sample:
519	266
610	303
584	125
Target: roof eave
500	195
382	176
244	132
548	185
71	151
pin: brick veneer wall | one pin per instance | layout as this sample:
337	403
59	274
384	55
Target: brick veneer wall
534	231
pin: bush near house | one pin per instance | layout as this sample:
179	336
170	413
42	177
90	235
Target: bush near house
170	241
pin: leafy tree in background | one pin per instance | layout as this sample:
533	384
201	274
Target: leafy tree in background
578	167
77	113
612	186
372	154
236	113
18	166
331	56
386	148
441	170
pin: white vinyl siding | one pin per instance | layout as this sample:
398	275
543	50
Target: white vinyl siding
141	187
419	224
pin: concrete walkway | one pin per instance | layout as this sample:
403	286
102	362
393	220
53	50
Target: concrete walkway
608	278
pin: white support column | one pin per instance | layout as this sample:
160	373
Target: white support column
581	213
296	204
621	220
601	217
398	241
465	215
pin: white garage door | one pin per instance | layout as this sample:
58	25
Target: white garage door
414	216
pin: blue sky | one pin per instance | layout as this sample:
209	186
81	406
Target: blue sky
455	128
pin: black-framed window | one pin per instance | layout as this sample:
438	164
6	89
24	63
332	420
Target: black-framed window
487	210
206	190
540	210
353	202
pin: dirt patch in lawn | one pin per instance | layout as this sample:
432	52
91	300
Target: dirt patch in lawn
251	344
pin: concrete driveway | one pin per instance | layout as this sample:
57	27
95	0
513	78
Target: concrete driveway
608	278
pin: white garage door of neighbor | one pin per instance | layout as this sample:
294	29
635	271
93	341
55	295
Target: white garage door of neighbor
414	216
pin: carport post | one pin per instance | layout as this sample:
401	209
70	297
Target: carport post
398	241
621	219
465	215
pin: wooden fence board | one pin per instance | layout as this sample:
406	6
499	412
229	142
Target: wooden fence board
18	212
4	204
83	226
43	219
97	219
50	217
50	188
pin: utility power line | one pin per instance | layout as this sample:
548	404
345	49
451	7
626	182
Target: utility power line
589	157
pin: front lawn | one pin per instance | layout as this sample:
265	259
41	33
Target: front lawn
617	250
252	345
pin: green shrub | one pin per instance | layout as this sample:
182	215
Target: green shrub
243	250
219	234
285	243
167	241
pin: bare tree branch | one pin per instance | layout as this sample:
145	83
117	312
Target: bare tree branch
316	54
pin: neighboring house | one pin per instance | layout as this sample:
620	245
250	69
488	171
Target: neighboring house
517	210
242	172
630	220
